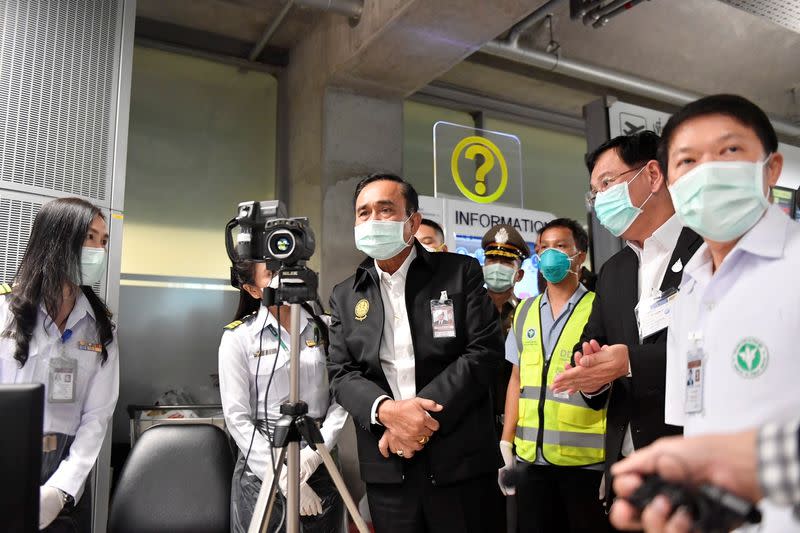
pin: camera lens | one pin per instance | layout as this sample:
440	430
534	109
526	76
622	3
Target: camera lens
281	244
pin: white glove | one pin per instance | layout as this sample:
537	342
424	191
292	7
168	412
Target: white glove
309	462
50	504
507	451
310	504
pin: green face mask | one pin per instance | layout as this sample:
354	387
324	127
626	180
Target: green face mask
499	277
721	200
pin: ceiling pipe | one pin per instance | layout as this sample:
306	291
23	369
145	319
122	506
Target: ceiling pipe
270	31
530	21
593	15
608	78
348	8
609	14
351	9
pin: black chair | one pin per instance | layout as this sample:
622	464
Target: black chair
176	479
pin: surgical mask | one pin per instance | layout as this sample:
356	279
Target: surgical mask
721	200
614	208
499	277
554	264
381	239
433	249
93	265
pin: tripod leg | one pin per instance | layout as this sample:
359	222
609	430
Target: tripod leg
266	500
340	486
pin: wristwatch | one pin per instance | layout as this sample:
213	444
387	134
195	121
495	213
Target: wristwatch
67	501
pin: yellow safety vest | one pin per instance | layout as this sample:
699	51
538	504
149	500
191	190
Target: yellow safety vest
572	433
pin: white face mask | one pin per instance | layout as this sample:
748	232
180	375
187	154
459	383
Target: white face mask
93	265
381	239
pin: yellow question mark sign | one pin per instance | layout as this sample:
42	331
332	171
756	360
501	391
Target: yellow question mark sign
488	164
471	147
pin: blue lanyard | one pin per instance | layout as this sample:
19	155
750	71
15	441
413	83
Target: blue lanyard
67	335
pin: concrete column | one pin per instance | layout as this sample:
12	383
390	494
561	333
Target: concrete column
341	115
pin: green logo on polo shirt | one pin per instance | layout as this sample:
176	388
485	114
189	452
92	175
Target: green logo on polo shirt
750	358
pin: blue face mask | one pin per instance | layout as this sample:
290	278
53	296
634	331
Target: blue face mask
554	265
499	277
381	239
614	208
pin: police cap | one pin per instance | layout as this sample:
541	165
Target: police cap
503	240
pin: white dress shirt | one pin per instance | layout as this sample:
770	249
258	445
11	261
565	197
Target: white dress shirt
654	258
96	386
240	366
750	302
396	350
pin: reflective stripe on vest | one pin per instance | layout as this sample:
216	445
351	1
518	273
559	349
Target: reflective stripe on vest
572	433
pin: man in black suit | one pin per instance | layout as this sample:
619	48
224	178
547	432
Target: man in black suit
622	355
418	391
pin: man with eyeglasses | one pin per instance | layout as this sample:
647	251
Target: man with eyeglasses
621	358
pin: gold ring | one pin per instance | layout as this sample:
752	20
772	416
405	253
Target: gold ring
400	453
424	440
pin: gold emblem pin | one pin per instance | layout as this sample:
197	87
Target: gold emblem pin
362	308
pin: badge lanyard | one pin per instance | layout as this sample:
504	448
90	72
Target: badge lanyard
443	320
63	374
278	338
695	373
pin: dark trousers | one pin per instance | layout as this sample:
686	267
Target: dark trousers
560	499
246	487
418	505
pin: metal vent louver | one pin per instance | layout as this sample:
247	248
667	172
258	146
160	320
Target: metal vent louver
17	213
57	95
785	13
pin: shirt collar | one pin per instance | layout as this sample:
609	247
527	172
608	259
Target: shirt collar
264	319
766	239
573	300
81	309
665	237
401	272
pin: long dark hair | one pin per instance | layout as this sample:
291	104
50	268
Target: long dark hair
52	260
244	273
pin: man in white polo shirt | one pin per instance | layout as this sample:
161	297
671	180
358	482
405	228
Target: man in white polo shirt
732	361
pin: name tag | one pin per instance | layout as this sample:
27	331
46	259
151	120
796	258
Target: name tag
261	353
443	317
654	314
87	346
62	376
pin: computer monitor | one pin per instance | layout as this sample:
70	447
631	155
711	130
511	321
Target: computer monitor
21	412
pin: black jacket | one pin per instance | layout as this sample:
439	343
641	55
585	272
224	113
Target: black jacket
638	400
456	372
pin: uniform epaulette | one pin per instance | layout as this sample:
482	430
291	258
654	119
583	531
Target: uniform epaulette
236	323
5	288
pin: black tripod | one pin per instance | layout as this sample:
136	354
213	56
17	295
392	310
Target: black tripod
294	425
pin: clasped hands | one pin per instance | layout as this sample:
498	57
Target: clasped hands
409	425
595	367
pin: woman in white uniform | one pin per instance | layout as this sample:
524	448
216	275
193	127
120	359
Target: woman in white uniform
56	331
254	382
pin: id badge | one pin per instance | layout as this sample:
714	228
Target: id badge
62	377
443	317
653	314
695	377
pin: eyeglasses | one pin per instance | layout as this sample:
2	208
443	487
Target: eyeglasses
605	183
